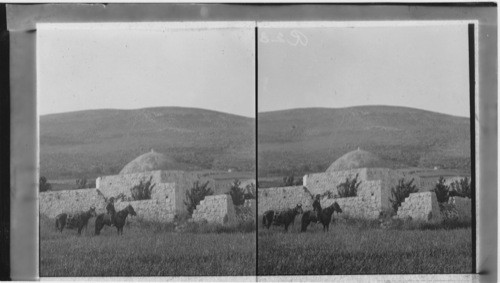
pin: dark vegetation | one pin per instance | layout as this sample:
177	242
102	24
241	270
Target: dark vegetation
84	184
44	185
401	192
196	194
289	181
462	187
237	193
101	142
349	188
442	191
309	140
142	191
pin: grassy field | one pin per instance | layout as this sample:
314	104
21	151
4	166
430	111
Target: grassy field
144	251
360	248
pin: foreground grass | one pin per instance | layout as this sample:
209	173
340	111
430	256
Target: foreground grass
351	249
144	252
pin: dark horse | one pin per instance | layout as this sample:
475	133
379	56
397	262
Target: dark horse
71	221
119	220
325	217
279	218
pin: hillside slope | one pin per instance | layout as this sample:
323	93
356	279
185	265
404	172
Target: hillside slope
309	140
97	142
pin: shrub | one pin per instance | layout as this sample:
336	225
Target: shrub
291	181
349	188
401	192
83	183
250	191
142	191
442	191
237	193
196	194
462	188
44	185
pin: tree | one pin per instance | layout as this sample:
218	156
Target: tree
195	195
462	188
44	185
349	188
442	191
401	192
237	193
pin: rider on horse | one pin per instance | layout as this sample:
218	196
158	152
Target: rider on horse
317	206
110	208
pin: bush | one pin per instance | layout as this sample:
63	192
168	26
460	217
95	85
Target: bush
84	184
196	194
349	188
142	191
442	191
250	191
401	192
462	188
290	181
237	193
44	185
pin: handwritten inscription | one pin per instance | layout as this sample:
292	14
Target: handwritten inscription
293	38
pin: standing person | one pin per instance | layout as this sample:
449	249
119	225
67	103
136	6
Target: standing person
110	208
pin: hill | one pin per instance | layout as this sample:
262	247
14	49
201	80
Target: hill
308	140
89	143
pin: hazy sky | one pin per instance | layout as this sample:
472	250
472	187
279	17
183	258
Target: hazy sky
422	67
92	66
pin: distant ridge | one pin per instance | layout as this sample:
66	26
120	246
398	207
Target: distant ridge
98	142
309	139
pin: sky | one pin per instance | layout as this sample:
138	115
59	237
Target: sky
130	66
423	67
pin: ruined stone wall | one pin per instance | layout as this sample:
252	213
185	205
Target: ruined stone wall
152	210
362	206
117	184
216	209
53	203
420	206
163	202
319	183
281	198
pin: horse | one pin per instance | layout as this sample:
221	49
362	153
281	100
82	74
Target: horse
325	217
78	220
119	219
281	218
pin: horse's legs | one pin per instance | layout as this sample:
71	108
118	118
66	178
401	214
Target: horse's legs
305	223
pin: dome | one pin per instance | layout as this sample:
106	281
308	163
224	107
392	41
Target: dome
150	161
357	159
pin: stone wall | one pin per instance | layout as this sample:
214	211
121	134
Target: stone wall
362	206
420	206
281	198
163	200
53	203
387	178
115	184
216	209
152	210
